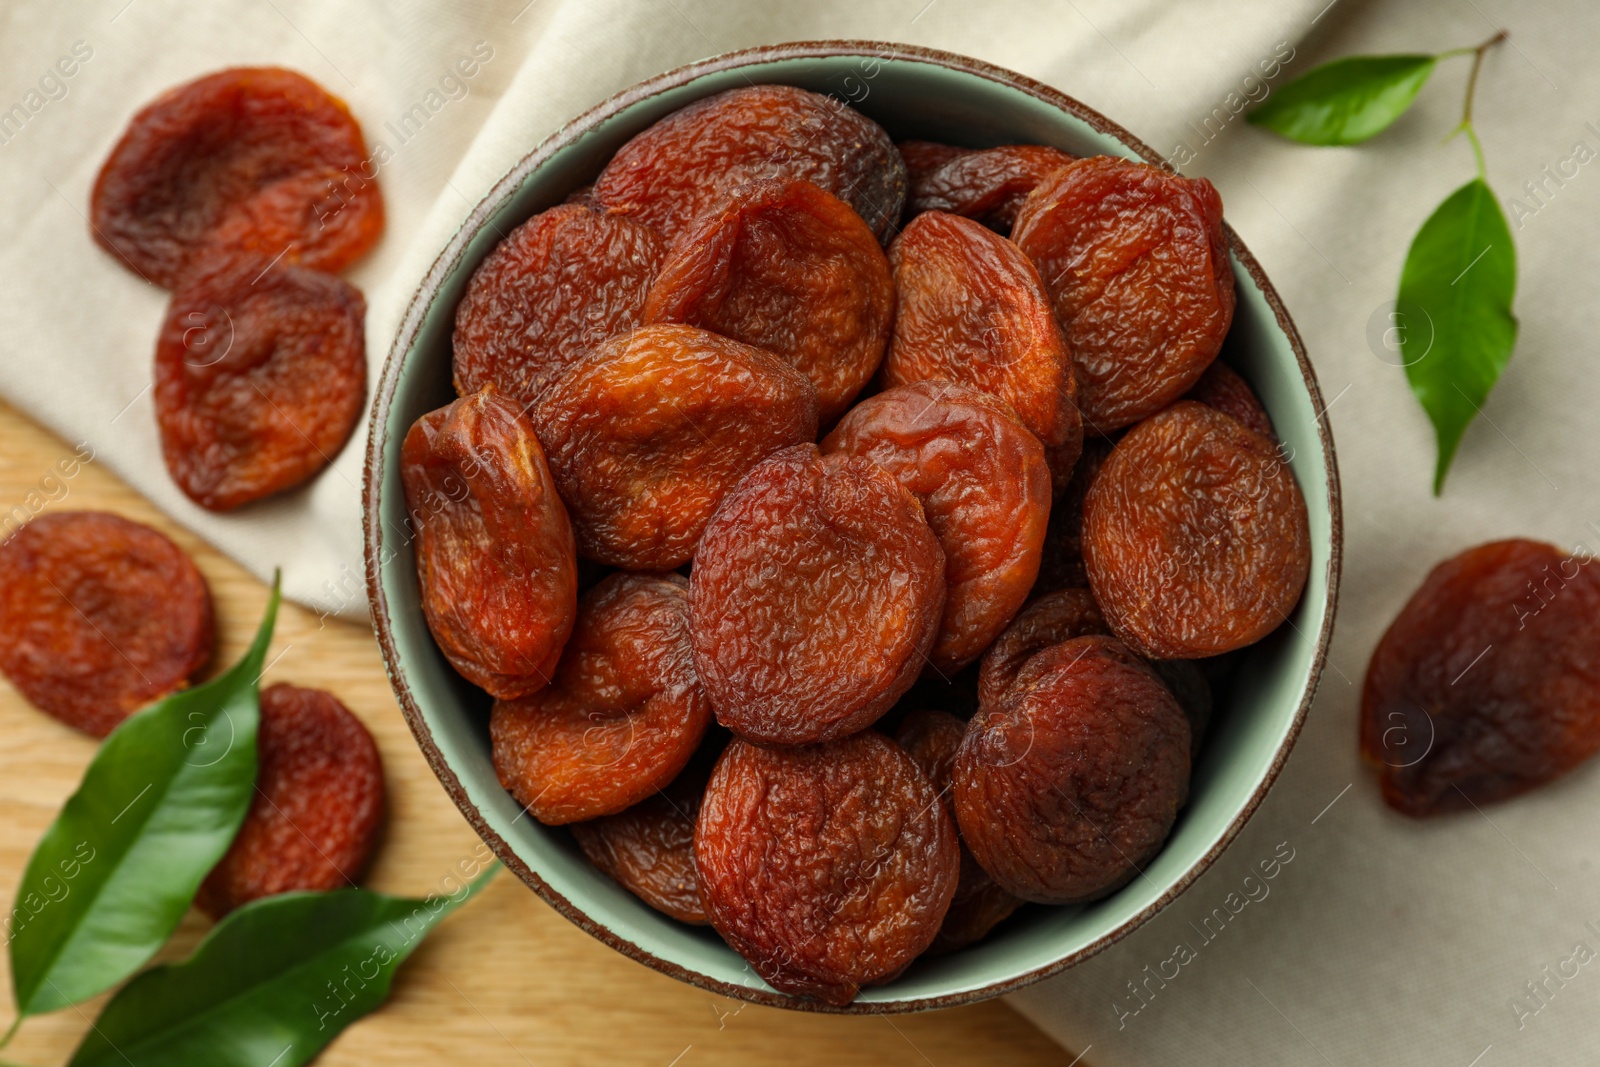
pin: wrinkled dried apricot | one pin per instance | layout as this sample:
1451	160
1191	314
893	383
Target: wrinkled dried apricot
817	592
988	185
621	717
260	378
924	157
1487	684
495	556
787	267
1195	535
1061	561
1221	387
559	284
251	159
1136	264
318	804
985	488
672	172
1066	787
828	867
648	433
99	616
1047	620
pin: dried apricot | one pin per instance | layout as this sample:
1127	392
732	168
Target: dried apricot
828	867
985	488
623	714
1195	535
318	804
260	378
250	159
1136	264
495	556
1070	784
924	157
99	616
988	185
648	433
1221	387
787	267
1487	684
817	592
1047	620
559	284
672	172
1061	562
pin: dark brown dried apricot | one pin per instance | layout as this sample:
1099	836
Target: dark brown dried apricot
1136	264
1061	561
1195	535
817	593
788	267
988	185
1487	684
1070	784
318	804
828	867
1221	387
924	157
558	285
495	556
648	433
250	159
984	487
623	714
674	171
99	616
1047	620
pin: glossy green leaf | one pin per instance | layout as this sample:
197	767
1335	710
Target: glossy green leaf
157	808
1454	312
271	985
1346	101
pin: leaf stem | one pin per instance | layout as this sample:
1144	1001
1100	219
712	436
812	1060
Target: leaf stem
12	1032
1472	90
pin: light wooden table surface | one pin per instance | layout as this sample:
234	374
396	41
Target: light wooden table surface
503	981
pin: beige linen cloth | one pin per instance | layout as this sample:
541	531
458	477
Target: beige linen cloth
1463	942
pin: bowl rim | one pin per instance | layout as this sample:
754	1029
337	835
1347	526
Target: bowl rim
411	324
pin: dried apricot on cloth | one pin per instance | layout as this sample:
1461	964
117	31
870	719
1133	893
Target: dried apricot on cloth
988	185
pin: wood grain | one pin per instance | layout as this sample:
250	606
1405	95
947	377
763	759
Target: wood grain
504	981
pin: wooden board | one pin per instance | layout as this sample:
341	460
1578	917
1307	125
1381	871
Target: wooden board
504	981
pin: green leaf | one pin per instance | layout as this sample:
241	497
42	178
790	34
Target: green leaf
271	985
158	807
1346	101
1454	312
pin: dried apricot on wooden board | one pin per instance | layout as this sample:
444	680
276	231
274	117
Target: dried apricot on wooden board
989	184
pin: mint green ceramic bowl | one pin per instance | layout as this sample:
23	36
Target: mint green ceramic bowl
915	94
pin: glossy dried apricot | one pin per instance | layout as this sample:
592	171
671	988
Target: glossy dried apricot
817	593
623	714
787	267
1068	786
924	157
558	285
648	433
260	378
317	808
99	616
1061	561
1487	684
988	185
673	172
1136	263
1221	387
1195	535
828	867
984	487
495	556
250	159
1047	620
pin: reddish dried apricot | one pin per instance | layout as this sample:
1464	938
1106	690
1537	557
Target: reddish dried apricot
674	171
99	616
817	593
495	558
260	378
1067	786
924	157
1487	684
985	488
317	808
828	867
1136	264
790	268
988	185
251	159
1195	535
559	284
623	714
1061	562
1047	620
647	434
1221	387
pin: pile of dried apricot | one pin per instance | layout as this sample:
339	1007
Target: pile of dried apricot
914	421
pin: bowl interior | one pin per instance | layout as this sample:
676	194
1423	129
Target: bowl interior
913	95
